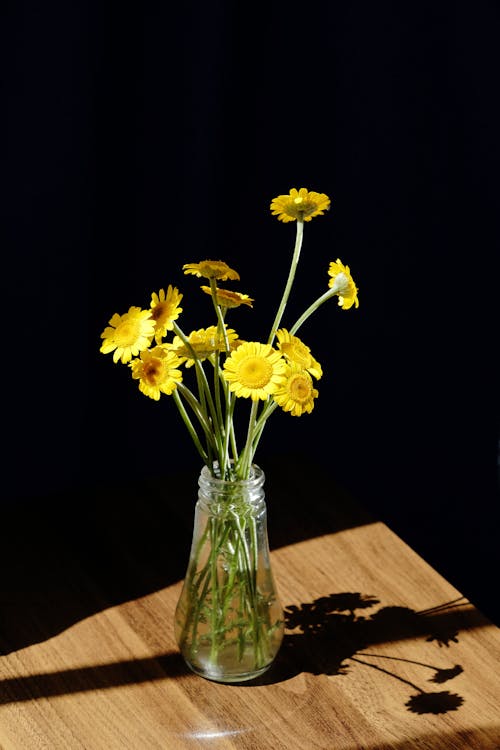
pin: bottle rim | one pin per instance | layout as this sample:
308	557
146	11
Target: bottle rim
256	478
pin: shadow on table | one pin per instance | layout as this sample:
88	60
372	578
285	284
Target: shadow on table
88	679
331	635
325	636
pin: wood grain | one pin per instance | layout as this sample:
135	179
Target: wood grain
381	652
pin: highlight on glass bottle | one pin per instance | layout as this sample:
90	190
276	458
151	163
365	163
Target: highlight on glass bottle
229	620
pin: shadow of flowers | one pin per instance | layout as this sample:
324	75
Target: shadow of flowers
434	703
332	634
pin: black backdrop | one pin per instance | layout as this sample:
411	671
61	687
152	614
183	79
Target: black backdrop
138	137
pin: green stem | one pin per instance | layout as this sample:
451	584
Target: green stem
264	415
289	283
247	454
196	407
189	425
205	410
229	431
261	423
203	386
312	308
225	423
191	622
224	592
230	582
218	406
214	585
221	326
252	557
232	434
249	604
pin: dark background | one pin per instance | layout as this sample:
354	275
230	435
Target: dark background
139	137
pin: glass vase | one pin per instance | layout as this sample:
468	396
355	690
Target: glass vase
229	620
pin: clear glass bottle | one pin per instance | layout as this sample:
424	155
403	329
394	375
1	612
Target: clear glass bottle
229	620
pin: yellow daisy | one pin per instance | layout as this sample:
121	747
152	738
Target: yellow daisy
226	298
296	351
164	310
157	372
296	395
204	342
343	284
299	205
211	269
128	334
254	370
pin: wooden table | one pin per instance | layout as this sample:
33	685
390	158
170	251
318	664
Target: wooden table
380	651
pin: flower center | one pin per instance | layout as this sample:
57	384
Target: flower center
127	333
159	311
255	372
153	371
299	388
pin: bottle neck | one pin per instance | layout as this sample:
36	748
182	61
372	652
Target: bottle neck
219	496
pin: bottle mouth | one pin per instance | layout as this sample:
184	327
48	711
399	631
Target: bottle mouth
255	479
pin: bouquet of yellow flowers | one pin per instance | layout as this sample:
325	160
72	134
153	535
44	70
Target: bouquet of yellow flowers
280	372
229	622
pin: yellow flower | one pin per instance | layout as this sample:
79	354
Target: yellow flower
211	269
254	370
226	298
299	205
296	351
296	395
164	310
343	285
157	372
128	334
204	342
